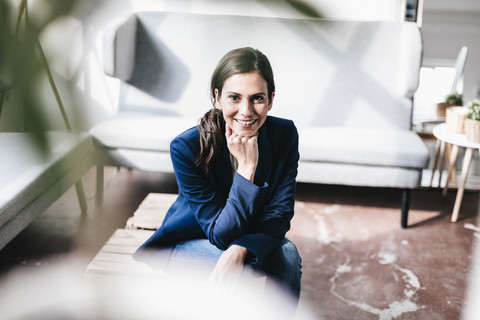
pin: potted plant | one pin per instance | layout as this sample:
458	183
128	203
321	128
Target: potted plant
452	99
454	112
455	99
472	122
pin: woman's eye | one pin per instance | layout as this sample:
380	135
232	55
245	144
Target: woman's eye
258	99
233	98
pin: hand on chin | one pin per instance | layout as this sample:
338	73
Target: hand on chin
245	131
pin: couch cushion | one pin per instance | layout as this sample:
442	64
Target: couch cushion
26	173
399	148
140	131
359	175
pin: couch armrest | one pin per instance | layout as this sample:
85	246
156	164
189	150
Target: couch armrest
410	59
119	41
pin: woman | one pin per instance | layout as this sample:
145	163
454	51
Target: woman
236	176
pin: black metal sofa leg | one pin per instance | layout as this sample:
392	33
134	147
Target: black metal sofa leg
405	207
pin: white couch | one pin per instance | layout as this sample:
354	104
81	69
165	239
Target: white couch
31	180
347	85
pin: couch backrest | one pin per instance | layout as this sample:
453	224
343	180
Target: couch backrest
327	72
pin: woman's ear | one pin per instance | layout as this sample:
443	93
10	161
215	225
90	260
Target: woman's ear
270	102
217	99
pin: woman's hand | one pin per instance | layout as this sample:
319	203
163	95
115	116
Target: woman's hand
228	268
245	150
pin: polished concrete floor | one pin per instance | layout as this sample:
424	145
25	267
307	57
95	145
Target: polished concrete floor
358	263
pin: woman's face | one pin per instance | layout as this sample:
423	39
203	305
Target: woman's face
244	102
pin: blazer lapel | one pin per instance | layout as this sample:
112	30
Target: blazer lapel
263	172
222	171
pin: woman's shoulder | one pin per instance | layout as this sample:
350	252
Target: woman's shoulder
281	132
190	137
280	124
279	121
189	134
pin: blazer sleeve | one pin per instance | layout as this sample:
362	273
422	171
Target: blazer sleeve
269	231
221	221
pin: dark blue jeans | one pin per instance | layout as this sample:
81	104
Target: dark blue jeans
282	267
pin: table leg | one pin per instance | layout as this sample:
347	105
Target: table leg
465	167
435	160
448	157
451	167
442	161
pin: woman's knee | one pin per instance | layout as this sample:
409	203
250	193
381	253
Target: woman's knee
284	259
290	254
284	266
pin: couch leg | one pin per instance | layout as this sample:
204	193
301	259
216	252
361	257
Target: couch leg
99	197
405	207
81	196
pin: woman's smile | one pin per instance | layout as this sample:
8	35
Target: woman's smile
245	122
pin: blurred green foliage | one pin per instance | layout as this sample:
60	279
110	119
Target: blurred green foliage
474	110
455	99
304	8
21	63
300	6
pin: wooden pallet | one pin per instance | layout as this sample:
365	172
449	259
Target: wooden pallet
115	257
151	212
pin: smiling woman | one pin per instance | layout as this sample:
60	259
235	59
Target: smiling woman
246	76
236	173
245	103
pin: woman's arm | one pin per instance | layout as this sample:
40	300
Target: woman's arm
222	221
243	219
269	231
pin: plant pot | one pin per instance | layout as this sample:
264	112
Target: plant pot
472	130
440	111
456	119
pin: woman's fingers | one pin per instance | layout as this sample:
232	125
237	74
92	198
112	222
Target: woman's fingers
245	150
228	131
228	268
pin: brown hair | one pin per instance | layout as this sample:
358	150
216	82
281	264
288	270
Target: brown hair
211	127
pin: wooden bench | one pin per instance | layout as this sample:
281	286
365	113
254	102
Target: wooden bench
115	257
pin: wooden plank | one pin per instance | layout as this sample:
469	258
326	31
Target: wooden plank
151	211
115	257
107	248
151	222
108	268
123	258
129	237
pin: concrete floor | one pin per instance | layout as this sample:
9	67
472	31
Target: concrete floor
357	261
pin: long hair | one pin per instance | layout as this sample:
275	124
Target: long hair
211	125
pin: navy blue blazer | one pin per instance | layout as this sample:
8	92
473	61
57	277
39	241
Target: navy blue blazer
229	209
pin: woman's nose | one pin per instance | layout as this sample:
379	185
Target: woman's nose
246	108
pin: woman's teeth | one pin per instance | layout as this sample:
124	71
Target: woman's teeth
245	123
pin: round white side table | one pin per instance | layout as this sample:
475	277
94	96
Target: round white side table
456	140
